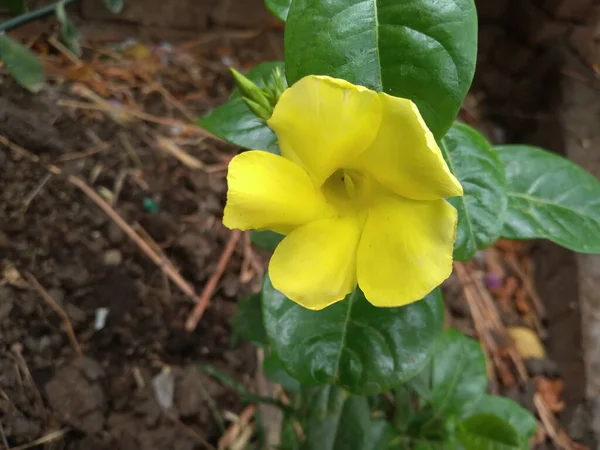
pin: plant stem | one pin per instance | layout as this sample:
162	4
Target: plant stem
31	16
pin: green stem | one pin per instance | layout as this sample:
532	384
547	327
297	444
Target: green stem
31	16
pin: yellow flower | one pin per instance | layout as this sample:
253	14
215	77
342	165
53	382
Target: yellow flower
358	191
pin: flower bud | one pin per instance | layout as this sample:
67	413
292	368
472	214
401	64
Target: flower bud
253	96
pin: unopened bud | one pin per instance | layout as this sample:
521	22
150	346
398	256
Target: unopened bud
249	90
259	111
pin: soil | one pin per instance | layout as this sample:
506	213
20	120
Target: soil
107	399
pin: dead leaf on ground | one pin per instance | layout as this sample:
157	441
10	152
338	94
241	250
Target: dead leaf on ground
527	343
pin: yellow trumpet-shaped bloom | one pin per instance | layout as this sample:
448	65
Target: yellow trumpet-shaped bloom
358	191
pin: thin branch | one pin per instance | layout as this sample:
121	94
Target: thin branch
160	261
58	310
50	437
210	287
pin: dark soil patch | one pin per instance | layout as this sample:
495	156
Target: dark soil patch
106	399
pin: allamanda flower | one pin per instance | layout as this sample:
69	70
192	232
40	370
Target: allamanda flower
358	191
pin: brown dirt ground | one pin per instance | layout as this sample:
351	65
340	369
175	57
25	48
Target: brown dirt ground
85	262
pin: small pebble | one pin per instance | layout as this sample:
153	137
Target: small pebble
164	388
100	320
113	257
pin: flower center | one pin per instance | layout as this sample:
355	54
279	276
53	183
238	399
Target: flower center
347	189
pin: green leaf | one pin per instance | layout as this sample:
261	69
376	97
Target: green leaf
234	122
68	33
267	240
488	432
431	445
279	8
549	197
276	372
247	322
424	50
482	209
320	402
22	64
289	436
351	343
342	422
455	377
510	411
16	7
114	6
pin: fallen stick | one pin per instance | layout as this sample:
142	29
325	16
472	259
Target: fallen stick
160	261
556	434
50	437
58	310
488	344
100	104
198	311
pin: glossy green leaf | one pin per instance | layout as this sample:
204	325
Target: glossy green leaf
267	240
22	64
456	376
273	369
68	33
279	8
247	322
488	432
510	411
335	420
320	402
15	6
353	344
549	197
482	209
424	50
234	122
114	6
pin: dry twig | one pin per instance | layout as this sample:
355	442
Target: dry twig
170	147
50	437
488	343
238	429
528	284
58	310
160	261
557	435
483	309
79	155
210	287
35	192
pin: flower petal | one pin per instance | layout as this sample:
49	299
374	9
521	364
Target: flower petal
405	250
315	265
324	123
405	156
267	191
